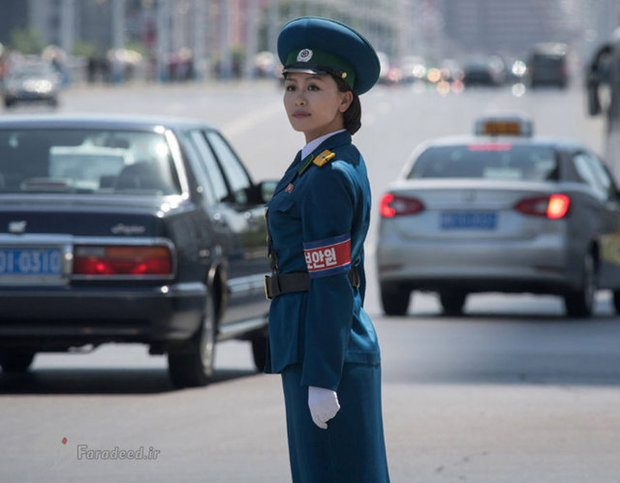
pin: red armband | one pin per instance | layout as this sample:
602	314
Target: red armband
329	256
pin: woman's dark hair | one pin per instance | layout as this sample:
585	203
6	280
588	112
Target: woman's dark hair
353	115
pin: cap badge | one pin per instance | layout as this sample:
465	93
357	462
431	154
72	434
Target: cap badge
304	55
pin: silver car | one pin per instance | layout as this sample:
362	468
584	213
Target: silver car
31	82
500	214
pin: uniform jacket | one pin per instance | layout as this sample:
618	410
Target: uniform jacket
322	208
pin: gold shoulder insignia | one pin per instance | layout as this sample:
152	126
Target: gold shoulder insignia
324	158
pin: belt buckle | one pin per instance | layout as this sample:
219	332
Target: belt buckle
267	287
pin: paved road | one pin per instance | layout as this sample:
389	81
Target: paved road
511	392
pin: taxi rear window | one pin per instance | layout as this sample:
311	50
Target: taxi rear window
501	161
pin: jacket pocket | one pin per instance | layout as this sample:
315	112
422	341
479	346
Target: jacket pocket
282	202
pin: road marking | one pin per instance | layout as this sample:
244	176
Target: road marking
252	119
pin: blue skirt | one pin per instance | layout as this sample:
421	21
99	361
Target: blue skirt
352	448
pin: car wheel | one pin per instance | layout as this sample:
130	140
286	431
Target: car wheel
580	303
395	299
192	364
16	361
452	302
259	350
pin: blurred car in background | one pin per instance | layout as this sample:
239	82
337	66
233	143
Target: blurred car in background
413	68
451	70
547	65
31	82
141	230
500	212
516	71
484	71
266	64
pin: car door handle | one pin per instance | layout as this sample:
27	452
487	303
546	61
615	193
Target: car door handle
219	220
251	218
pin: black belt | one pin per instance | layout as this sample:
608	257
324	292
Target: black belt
281	283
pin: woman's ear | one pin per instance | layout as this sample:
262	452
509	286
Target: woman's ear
345	101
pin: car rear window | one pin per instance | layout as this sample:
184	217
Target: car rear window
502	161
86	161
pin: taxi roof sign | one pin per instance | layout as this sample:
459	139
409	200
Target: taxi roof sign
504	125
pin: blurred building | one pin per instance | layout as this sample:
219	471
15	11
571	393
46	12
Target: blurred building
601	18
513	27
485	26
14	15
228	33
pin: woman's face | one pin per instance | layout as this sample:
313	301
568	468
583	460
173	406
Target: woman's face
314	104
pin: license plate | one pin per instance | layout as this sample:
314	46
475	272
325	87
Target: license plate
479	220
30	264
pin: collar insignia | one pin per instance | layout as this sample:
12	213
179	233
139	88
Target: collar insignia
323	158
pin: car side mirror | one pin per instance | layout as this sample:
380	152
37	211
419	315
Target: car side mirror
267	188
260	193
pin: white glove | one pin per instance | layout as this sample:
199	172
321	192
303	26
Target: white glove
323	404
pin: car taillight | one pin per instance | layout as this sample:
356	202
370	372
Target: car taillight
558	206
122	260
395	205
553	207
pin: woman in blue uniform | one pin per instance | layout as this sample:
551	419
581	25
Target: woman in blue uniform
320	338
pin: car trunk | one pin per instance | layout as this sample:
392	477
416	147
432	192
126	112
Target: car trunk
49	240
82	216
472	210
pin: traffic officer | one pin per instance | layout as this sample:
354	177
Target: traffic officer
320	338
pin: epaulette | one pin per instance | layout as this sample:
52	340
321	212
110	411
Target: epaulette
320	160
324	158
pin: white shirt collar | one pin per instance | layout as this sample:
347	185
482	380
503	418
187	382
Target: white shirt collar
312	145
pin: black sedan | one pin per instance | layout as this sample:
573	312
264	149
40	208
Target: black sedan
128	230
